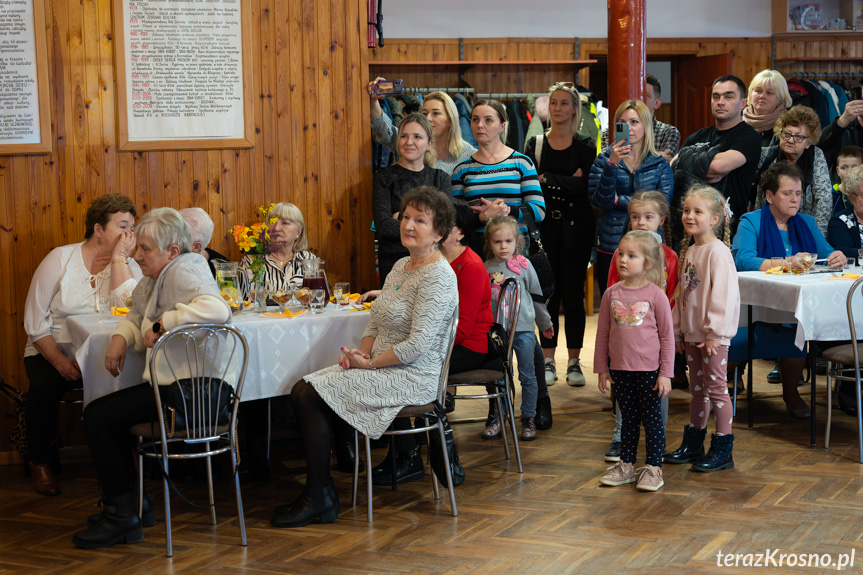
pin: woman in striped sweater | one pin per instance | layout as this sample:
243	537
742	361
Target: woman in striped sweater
496	180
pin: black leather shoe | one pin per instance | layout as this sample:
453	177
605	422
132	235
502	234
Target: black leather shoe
148	516
409	467
118	522
344	448
543	418
718	456
775	376
690	449
313	504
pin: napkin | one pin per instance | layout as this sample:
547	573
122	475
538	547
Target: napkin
847	276
120	311
286	314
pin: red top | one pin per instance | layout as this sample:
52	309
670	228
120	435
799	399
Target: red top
474	302
670	272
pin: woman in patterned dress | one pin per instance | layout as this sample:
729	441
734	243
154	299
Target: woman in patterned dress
398	363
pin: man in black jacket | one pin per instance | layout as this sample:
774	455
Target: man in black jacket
845	130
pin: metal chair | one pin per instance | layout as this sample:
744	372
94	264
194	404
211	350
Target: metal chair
501	381
843	364
204	354
425	411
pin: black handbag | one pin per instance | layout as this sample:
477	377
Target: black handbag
436	459
538	258
180	401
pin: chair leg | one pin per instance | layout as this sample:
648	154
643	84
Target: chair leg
167	489
859	416
393	483
369	477
212	499
448	470
140	480
829	406
356	468
240	515
431	471
503	417
269	425
509	404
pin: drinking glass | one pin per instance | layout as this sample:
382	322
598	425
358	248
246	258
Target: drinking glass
860	258
807	259
318	301
342	293
777	266
281	297
103	304
796	264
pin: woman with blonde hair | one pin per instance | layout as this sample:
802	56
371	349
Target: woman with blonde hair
563	163
415	168
622	169
441	111
767	99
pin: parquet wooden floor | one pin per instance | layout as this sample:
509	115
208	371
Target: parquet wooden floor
555	518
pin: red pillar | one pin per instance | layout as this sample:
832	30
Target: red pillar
626	51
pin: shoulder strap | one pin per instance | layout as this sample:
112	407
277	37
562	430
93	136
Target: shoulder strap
538	150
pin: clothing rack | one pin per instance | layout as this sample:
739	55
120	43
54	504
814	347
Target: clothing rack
429	90
508	96
804	75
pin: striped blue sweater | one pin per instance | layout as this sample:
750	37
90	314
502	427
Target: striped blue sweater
514	180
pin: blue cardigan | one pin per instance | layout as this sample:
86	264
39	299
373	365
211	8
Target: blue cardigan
745	244
606	180
846	238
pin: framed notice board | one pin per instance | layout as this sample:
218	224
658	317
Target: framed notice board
184	74
25	102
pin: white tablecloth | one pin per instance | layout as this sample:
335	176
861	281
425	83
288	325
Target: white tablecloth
816	304
281	351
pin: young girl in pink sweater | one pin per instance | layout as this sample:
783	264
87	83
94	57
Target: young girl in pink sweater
706	312
635	354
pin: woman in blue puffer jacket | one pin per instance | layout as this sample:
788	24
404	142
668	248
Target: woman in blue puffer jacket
617	173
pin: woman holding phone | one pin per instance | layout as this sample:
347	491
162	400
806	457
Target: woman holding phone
630	165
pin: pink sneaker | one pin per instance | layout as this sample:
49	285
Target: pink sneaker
618	474
649	478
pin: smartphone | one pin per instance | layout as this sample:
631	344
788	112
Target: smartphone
857	92
621	131
388	88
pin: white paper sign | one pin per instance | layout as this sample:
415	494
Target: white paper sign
19	88
184	69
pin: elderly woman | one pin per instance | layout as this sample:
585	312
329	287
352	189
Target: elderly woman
450	149
798	130
768	98
416	167
563	163
617	173
846	228
778	230
496	179
73	279
284	265
178	289
398	363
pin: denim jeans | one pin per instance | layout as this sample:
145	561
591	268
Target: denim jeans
523	345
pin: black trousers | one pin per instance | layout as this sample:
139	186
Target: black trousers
106	422
600	272
47	388
570	273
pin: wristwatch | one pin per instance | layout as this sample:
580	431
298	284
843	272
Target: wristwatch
371	365
157	328
124	260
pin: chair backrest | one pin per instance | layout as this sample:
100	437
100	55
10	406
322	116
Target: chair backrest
508	306
201	356
444	374
848	305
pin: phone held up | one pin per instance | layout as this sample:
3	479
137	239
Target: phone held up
388	88
857	92
621	132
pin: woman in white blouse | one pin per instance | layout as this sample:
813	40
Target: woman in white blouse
73	279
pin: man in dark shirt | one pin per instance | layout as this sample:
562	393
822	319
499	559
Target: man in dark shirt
845	130
666	137
732	168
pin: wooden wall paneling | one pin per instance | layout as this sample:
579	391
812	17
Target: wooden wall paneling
311	135
92	98
107	103
328	246
296	95
340	249
281	53
265	141
169	182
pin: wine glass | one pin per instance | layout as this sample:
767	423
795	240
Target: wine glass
807	259
342	293
281	297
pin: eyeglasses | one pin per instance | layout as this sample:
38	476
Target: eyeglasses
796	138
855	196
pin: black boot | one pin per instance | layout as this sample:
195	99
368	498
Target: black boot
691	448
409	467
343	445
148	515
543	413
385	465
718	456
118	521
313	503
